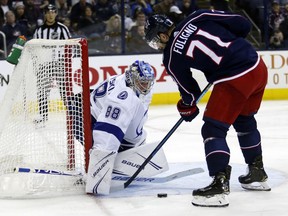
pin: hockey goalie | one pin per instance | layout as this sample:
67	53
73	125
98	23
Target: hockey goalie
46	118
119	108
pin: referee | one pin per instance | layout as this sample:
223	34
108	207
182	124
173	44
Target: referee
53	69
51	29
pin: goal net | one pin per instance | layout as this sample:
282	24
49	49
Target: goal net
45	120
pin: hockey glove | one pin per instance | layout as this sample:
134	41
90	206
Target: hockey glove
187	112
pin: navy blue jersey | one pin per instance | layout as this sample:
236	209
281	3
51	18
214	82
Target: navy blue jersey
212	42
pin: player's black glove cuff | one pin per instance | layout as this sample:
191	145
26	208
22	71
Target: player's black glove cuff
188	113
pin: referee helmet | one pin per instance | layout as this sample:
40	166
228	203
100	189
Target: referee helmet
50	7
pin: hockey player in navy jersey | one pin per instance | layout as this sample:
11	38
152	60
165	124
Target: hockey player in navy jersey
214	43
119	109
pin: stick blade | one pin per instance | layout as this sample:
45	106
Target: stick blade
119	187
184	174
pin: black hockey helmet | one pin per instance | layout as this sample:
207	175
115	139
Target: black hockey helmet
50	7
154	25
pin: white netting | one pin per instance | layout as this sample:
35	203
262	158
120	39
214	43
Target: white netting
42	121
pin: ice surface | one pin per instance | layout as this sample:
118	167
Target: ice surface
184	150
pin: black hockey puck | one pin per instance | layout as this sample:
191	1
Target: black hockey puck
162	195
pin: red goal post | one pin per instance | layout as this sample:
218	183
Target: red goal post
45	130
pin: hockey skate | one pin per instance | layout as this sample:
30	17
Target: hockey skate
215	194
256	178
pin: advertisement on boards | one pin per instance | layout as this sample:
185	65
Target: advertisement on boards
277	64
101	67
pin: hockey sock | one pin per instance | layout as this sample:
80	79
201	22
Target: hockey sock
216	149
248	137
250	143
217	155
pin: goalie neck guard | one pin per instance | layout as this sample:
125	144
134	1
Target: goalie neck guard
140	77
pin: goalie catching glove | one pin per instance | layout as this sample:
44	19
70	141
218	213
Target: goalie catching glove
187	112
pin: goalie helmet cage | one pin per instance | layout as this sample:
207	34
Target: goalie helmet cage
45	131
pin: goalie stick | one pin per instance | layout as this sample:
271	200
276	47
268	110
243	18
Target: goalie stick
143	180
128	182
164	179
44	171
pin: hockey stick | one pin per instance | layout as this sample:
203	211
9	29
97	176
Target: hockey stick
128	182
145	180
164	179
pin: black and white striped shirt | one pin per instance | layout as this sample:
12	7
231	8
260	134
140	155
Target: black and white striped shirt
55	31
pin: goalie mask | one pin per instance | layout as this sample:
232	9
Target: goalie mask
154	25
140	77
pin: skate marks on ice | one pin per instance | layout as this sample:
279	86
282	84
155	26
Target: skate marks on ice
186	184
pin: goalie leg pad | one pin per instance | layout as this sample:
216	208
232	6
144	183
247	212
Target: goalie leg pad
127	162
100	169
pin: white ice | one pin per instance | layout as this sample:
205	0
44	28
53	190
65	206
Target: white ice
184	150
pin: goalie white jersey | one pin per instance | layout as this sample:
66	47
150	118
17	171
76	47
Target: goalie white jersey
119	114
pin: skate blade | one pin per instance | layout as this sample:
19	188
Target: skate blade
257	186
218	200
